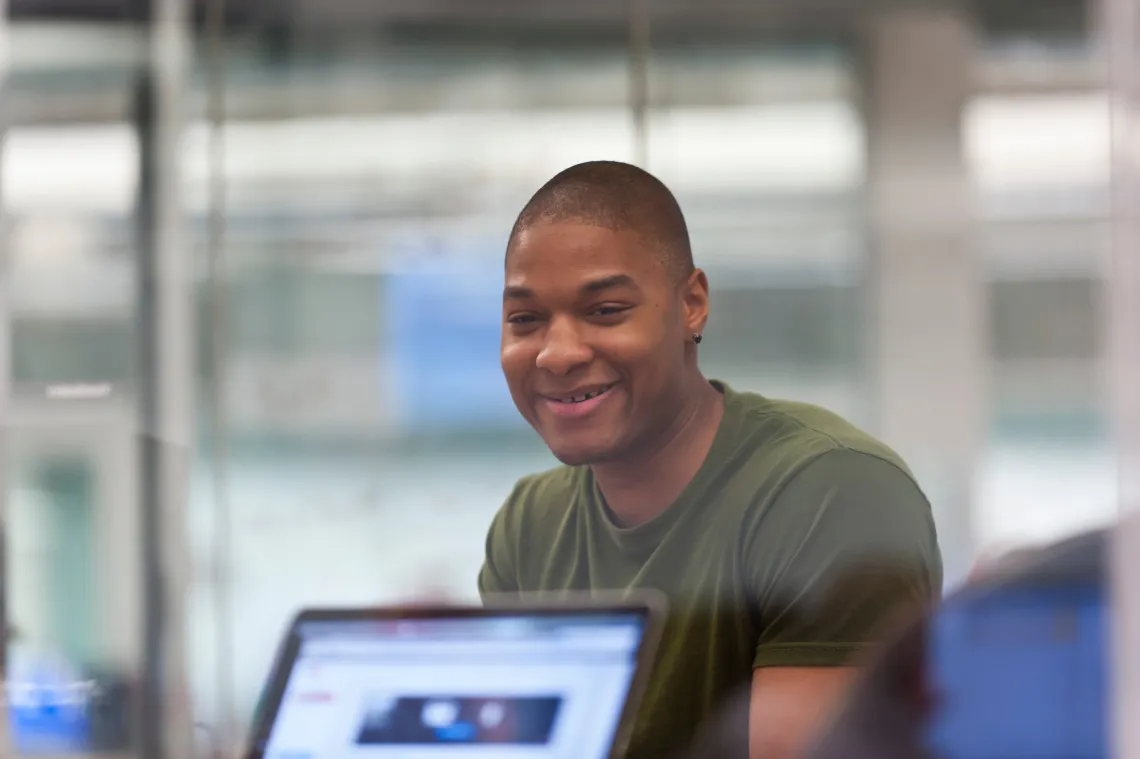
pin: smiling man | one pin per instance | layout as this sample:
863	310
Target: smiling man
784	537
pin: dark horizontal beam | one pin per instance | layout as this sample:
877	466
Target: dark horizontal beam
1002	17
238	12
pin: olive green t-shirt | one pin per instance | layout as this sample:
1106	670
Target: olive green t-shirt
798	538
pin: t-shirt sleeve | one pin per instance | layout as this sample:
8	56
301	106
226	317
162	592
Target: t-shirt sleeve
499	573
846	548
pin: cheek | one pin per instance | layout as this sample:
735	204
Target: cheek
516	359
641	347
650	366
644	374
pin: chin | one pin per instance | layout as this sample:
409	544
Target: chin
574	455
574	458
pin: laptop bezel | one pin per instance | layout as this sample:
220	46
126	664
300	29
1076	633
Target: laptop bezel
649	607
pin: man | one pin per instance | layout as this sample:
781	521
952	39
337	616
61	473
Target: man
783	536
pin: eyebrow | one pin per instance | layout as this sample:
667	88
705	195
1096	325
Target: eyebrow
607	283
518	292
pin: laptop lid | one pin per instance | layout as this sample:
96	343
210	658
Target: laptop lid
505	680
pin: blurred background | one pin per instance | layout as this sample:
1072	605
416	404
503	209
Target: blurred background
252	259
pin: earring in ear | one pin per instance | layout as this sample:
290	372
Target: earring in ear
697	337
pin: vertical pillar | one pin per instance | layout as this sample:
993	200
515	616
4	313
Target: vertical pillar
6	748
165	380
639	50
925	285
1121	34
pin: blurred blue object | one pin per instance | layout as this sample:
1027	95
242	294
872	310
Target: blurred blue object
1021	671
1014	665
47	709
442	315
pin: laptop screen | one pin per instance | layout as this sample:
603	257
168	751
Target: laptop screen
502	686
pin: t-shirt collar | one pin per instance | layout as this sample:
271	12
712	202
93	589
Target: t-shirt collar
643	538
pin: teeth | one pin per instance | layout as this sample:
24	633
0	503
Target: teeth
586	397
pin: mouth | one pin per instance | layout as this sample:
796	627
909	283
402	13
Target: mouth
578	402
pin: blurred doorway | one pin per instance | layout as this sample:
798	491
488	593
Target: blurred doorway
72	604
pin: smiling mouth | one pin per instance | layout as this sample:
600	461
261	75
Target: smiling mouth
583	397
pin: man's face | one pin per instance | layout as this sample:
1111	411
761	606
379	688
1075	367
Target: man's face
594	338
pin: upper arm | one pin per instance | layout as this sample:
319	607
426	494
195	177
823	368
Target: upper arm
496	574
843	550
847	547
789	705
499	573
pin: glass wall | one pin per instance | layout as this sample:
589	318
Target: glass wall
68	176
355	435
371	437
1045	239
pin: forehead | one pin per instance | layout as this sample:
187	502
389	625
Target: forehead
567	253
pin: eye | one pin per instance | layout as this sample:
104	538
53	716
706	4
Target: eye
608	311
522	321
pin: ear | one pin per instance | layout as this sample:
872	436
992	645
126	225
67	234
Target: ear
695	301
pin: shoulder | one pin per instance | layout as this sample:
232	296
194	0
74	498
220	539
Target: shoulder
788	441
802	432
848	516
542	496
535	508
551	490
828	480
858	481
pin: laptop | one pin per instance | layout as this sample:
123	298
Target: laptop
509	679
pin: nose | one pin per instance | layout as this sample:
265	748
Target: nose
563	350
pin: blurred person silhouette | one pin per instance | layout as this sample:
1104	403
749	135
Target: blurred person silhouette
783	536
891	707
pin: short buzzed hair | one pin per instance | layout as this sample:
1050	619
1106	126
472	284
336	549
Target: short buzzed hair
616	196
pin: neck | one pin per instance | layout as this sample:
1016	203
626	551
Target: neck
640	487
